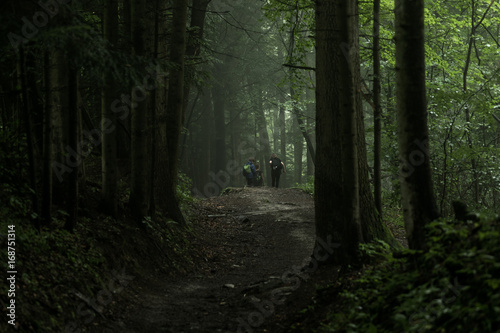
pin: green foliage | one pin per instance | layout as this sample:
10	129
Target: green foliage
51	266
184	186
184	194
307	187
393	215
452	287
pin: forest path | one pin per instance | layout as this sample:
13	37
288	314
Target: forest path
253	243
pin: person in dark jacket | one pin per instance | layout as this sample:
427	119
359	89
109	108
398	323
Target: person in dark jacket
276	167
259	177
249	171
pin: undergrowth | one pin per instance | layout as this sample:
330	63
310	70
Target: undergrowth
452	287
68	282
307	187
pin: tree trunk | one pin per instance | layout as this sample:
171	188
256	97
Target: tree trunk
108	119
28	125
282	124
377	111
219	97
419	205
64	160
264	146
193	46
124	124
298	136
175	107
73	120
336	189
309	122
46	209
139	194
159	117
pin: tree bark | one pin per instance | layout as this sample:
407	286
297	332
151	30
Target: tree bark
309	122
193	46
28	125
298	136
108	118
139	194
282	131
264	146
377	110
175	108
46	209
419	205
219	97
336	187
73	120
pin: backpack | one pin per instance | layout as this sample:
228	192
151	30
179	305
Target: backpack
276	164
258	178
247	169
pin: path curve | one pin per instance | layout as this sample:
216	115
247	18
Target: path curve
256	241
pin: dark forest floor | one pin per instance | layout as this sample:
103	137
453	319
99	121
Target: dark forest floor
252	244
246	276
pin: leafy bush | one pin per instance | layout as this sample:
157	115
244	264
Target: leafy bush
184	185
307	187
452	287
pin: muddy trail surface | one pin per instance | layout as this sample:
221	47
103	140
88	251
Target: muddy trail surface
254	242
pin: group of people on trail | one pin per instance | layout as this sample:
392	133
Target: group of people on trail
254	175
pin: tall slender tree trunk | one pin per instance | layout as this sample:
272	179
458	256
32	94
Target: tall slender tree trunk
193	46
377	111
419	205
154	108
108	118
139	194
65	161
175	104
474	26
160	162
282	131
46	204
298	151
219	97
298	137
309	123
264	147
124	124
28	125
73	120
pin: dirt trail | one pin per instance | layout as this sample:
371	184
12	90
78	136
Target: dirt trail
255	241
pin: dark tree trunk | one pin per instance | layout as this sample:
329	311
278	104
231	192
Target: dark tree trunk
139	194
282	131
309	122
175	108
108	119
335	110
377	111
72	200
46	204
218	95
28	125
419	205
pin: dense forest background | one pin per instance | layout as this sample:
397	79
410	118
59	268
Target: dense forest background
149	104
248	90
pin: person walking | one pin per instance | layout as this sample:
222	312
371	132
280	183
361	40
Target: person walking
259	177
276	167
249	171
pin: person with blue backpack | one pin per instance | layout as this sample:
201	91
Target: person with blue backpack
249	171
